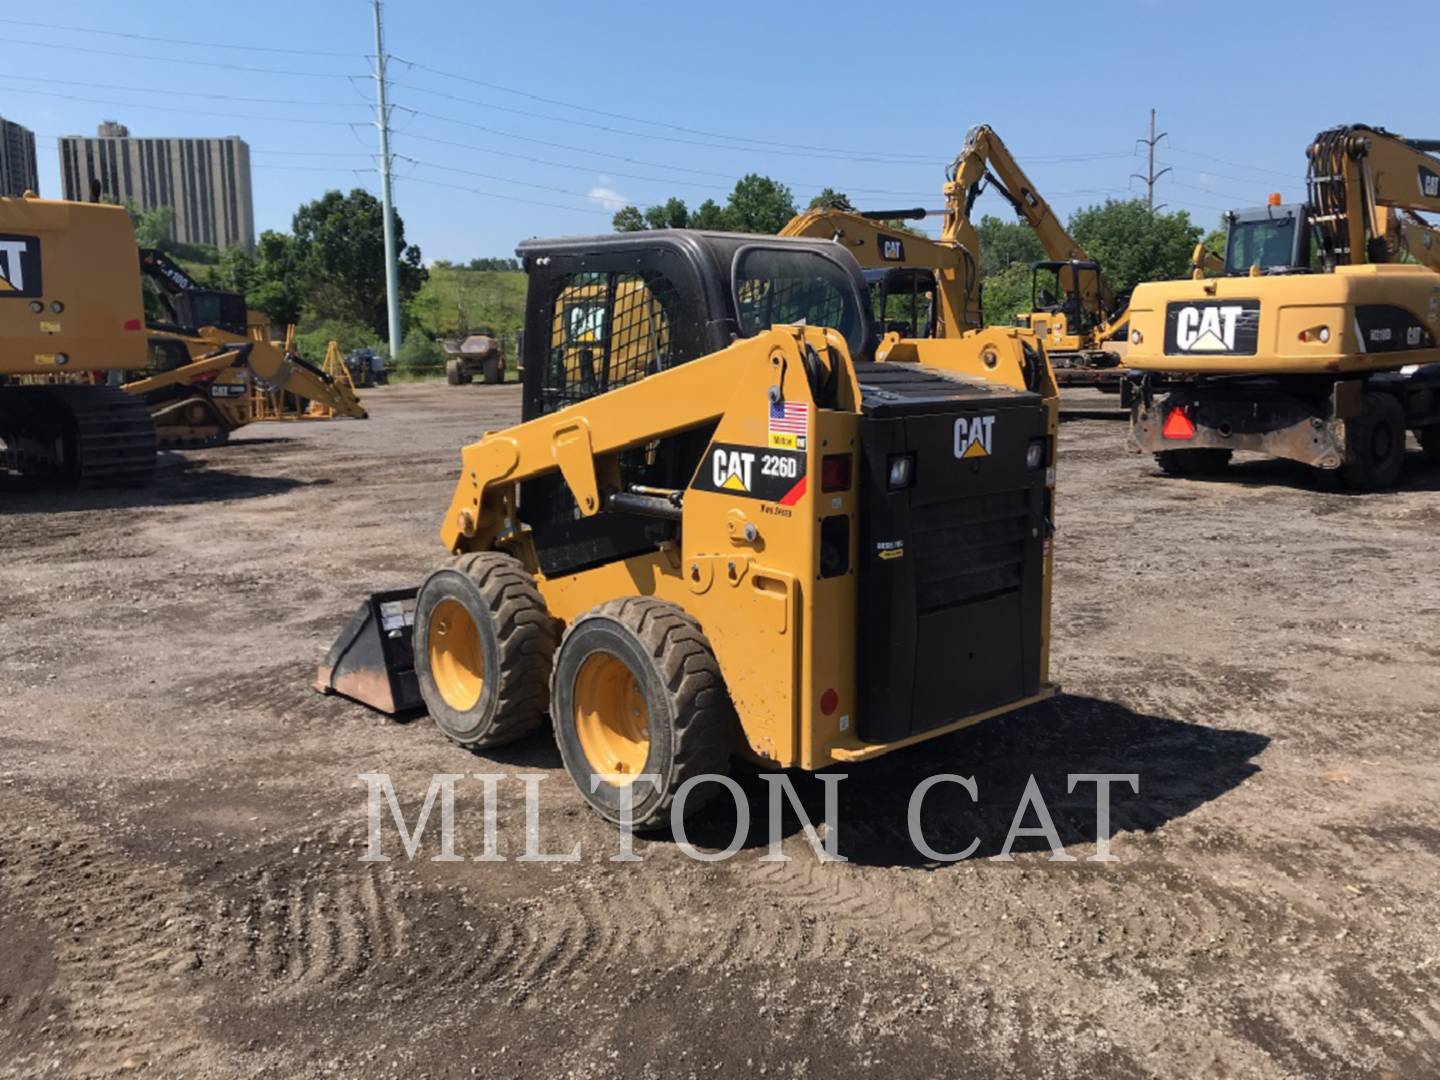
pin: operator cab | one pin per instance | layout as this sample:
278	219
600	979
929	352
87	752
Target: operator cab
903	300
607	311
1275	238
1055	289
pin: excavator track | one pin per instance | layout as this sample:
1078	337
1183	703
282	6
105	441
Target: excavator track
95	436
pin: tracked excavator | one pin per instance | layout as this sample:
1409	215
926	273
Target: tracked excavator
85	383
767	529
1317	341
1073	308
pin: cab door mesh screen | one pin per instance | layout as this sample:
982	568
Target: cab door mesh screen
609	329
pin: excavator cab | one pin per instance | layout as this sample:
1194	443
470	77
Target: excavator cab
904	300
1275	238
1056	287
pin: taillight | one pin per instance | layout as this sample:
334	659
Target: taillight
836	472
132	324
1178	424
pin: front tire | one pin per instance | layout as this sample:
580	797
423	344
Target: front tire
1374	444
483	648
637	690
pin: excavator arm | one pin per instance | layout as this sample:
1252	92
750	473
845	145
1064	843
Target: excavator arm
985	160
869	236
1367	187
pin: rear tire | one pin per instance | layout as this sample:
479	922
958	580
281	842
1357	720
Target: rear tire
1206	462
637	682
1374	444
494	371
452	372
483	648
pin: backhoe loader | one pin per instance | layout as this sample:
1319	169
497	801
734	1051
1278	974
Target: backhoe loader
765	529
85	382
1073	309
1318	342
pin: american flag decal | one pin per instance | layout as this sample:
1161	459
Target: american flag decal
789	417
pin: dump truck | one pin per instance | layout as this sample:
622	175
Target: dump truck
479	354
1317	341
735	521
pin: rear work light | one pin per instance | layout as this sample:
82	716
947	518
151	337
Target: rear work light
1178	424
835	472
900	471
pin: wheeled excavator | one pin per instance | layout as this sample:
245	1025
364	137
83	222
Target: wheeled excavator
1317	342
737	520
1074	311
85	383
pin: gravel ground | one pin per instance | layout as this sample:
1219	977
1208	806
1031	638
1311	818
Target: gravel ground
181	891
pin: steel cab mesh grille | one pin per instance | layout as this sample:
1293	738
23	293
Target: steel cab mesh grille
609	330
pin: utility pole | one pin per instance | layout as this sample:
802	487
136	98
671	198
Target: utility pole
1150	174
392	285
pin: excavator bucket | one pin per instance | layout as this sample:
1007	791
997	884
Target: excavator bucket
371	661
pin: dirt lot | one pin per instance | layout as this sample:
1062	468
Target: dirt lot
180	884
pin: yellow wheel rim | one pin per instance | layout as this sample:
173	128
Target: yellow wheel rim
611	718
456	659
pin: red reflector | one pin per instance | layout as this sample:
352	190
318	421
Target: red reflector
835	472
132	324
1178	425
829	702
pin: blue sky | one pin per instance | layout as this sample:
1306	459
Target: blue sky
571	108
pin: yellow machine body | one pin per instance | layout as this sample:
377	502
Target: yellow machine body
1307	323
67	305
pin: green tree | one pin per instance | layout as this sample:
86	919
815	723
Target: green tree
629	219
1006	294
1004	243
830	199
673	214
275	278
419	355
508	265
759	205
340	238
153	228
1132	244
710	216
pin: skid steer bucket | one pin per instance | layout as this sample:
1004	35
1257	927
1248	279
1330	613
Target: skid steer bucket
371	661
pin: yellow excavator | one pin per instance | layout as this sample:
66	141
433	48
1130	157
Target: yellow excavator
85	383
1317	342
767	529
937	282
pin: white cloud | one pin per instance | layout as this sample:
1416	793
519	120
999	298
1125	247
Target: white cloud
609	198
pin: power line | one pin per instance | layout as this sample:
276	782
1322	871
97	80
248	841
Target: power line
508	198
177	109
211	64
811	152
188	93
1233	164
171	41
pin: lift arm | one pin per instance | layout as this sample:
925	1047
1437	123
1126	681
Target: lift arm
277	369
985	159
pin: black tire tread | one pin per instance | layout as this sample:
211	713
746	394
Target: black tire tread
705	722
1206	461
1358	472
525	634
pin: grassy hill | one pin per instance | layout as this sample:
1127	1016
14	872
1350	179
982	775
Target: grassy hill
454	300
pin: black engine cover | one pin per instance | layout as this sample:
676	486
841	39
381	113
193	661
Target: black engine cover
951	566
